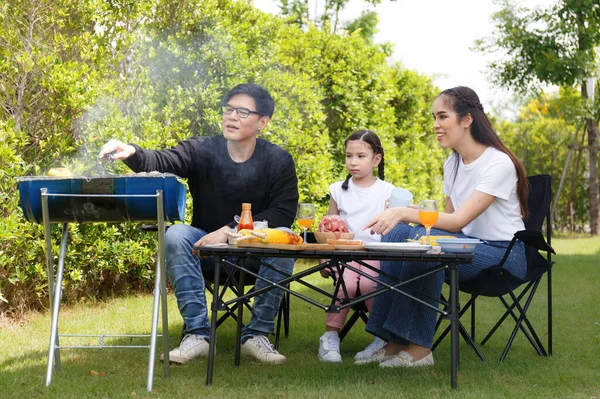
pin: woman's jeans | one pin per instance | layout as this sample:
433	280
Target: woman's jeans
185	273
400	319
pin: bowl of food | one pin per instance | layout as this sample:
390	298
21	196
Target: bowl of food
458	245
332	227
323	236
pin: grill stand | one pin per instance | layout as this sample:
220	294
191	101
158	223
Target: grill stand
55	293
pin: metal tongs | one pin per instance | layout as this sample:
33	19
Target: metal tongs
109	156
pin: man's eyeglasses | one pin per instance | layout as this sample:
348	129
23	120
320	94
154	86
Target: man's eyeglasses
241	112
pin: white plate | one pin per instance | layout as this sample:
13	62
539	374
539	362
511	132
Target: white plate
459	245
397	246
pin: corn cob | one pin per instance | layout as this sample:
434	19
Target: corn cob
60	172
242	235
274	236
432	239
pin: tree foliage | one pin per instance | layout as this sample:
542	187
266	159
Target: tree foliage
151	73
559	46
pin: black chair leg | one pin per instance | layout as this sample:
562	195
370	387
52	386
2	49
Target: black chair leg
473	319
278	328
470	341
286	315
506	314
349	324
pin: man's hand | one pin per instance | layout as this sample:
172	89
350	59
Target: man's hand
216	237
118	149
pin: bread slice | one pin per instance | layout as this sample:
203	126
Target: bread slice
342	241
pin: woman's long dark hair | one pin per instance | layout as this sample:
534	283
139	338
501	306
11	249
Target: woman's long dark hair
371	139
463	101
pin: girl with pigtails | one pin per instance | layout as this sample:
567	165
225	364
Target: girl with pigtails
357	199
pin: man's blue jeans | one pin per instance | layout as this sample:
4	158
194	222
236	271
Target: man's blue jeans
185	273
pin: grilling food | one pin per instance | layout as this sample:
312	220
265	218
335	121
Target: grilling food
266	236
274	236
433	240
60	172
333	224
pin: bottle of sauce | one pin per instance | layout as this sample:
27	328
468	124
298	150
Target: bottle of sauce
246	221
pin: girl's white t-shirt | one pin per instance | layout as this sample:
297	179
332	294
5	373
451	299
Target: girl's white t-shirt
359	205
492	173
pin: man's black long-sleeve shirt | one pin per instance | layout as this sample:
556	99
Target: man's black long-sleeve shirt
219	185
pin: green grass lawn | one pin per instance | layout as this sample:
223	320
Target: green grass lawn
573	371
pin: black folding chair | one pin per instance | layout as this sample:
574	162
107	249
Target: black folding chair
495	281
359	311
230	282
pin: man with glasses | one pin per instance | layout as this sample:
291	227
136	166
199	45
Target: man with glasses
223	172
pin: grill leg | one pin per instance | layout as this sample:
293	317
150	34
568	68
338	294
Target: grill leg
163	284
154	329
52	347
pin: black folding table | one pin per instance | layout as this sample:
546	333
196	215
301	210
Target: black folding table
234	258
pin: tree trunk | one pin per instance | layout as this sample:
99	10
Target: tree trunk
594	197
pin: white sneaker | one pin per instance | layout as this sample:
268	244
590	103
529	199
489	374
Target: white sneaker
373	347
261	349
405	359
191	347
329	347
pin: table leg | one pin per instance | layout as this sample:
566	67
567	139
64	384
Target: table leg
213	321
238	334
454	324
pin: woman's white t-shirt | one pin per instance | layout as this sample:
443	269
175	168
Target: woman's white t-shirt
492	173
359	205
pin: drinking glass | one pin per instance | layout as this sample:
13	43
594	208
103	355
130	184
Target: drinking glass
305	216
428	215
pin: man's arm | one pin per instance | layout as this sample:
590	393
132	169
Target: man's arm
176	160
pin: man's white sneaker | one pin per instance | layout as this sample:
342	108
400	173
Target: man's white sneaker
329	347
373	347
191	347
261	349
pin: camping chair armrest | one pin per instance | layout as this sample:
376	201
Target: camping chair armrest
535	239
530	237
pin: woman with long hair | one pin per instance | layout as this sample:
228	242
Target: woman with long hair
486	192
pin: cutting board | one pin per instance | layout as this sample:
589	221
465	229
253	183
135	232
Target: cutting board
288	247
302	247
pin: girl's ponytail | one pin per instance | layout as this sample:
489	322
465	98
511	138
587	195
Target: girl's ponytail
381	167
345	183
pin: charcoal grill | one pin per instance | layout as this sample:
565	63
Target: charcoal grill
154	197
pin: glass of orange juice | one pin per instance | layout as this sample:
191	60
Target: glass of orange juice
305	216
428	215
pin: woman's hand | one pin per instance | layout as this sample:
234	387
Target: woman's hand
388	219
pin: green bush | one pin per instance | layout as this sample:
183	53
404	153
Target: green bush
153	74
